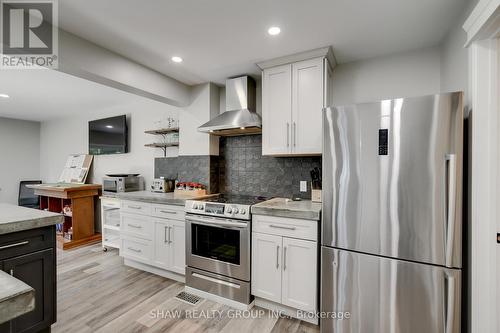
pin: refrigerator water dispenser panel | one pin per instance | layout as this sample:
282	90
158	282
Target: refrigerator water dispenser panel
383	140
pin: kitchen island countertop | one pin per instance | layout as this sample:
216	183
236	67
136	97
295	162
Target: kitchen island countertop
16	297
14	218
283	207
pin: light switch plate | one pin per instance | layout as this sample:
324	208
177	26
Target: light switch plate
303	186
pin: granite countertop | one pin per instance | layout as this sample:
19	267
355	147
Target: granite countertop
304	209
16	297
14	218
158	198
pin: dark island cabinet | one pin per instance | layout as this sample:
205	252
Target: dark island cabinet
30	256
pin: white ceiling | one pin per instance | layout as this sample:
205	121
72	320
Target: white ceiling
218	39
40	95
223	38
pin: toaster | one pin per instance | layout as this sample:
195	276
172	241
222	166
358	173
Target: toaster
162	185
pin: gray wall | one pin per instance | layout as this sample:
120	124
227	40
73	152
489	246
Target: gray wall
19	156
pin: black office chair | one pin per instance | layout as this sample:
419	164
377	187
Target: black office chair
27	197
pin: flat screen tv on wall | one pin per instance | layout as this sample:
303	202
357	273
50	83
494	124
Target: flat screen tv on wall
108	136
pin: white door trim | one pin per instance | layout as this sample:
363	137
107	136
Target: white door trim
483	29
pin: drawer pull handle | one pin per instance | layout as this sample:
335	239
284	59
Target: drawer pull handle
282	227
135	250
134	207
12	272
13	245
134	226
168	211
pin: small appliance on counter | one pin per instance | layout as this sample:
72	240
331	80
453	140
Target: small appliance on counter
162	185
118	183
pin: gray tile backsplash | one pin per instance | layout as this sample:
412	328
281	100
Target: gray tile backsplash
200	169
241	169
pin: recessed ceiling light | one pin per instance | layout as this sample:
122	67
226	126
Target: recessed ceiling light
176	59
273	31
109	126
4	96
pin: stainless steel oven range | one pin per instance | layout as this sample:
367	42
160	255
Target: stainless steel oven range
218	234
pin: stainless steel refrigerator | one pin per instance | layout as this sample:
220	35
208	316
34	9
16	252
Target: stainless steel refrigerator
391	252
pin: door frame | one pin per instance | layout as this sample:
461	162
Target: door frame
483	30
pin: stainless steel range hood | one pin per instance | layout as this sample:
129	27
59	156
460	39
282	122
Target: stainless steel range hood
240	117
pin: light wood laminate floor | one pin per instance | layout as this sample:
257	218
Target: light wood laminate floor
96	292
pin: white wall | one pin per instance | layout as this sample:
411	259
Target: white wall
204	106
455	57
405	74
19	156
64	136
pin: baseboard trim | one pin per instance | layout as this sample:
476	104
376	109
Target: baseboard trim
312	318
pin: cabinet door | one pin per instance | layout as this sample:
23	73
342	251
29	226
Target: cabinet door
161	251
276	110
266	266
307	106
177	247
299	288
36	270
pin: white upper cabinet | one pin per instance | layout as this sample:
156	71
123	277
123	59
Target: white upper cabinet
293	96
307	105
277	101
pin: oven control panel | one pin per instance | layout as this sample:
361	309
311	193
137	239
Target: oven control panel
218	209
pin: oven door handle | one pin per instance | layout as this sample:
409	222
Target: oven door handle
217	223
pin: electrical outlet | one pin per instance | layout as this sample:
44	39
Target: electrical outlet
303	186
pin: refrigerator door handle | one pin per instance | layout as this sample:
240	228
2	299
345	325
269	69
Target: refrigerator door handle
449	319
450	209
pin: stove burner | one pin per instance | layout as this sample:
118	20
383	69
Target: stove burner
236	199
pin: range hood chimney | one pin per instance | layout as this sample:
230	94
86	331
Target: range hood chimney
240	117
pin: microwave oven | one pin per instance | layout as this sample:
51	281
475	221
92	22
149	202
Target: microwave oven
122	183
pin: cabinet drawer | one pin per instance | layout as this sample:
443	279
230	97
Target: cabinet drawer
136	207
22	242
136	249
169	212
137	226
281	226
110	202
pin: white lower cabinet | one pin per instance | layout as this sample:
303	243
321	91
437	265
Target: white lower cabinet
266	266
178	247
298	288
284	269
170	245
153	239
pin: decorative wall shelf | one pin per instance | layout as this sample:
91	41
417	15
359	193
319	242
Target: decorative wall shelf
162	131
163	145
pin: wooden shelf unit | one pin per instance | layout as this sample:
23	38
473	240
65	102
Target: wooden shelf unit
163	145
162	131
81	200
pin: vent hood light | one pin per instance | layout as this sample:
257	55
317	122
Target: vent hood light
176	59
